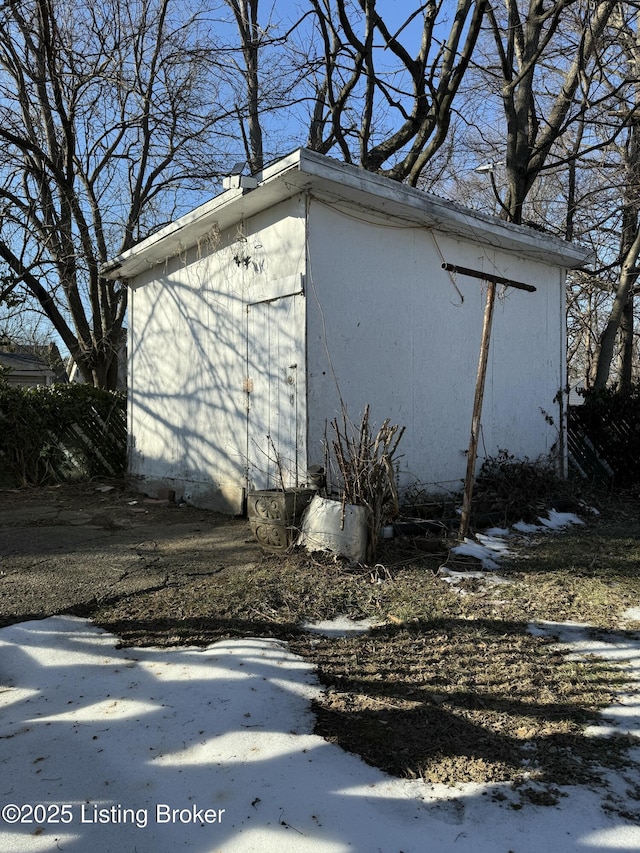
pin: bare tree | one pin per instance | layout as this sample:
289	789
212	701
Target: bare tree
251	38
387	94
602	166
528	41
627	114
563	152
621	315
105	111
270	71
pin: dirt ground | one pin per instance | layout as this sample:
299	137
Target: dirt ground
449	687
69	549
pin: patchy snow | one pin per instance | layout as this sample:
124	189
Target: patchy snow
480	551
489	546
592	510
494	542
486	547
149	750
341	626
152	750
488	578
554	521
579	642
526	527
559	520
498	531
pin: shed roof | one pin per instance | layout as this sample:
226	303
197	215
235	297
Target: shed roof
335	181
32	363
27	369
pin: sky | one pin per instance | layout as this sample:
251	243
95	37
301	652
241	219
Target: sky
131	750
281	135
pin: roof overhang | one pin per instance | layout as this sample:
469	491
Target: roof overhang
333	181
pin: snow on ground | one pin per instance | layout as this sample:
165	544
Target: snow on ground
340	627
553	521
558	520
490	546
578	642
106	749
480	551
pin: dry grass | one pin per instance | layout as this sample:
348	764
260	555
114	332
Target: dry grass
451	687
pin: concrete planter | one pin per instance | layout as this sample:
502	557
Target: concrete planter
274	515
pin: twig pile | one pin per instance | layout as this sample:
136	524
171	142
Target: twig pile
365	463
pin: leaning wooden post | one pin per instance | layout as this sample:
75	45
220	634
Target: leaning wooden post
492	281
472	454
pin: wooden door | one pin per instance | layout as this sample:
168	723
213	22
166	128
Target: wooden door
275	390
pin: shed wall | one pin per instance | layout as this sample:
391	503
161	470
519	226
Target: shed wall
189	356
389	327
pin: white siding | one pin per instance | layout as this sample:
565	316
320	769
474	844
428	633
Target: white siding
188	355
380	322
387	326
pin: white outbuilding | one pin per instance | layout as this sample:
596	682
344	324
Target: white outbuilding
315	288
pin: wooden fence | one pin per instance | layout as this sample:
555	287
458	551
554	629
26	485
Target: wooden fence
61	433
93	446
604	444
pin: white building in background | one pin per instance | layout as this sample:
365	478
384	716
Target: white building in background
315	287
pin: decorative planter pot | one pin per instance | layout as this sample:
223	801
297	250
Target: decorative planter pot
274	515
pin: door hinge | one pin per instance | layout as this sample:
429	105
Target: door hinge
247	385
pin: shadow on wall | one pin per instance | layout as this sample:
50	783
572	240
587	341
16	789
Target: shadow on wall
215	397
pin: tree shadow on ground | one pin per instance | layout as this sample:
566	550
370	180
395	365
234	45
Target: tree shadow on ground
227	728
446	700
456	700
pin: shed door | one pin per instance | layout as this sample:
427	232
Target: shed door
275	385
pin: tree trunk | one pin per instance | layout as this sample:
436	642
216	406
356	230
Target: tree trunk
107	109
622	310
608	338
246	15
626	356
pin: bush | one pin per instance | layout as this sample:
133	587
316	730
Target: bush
61	432
519	488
